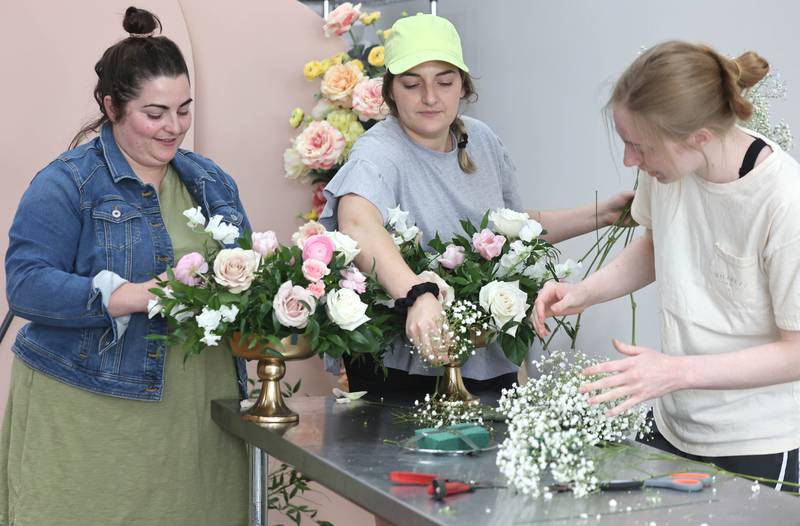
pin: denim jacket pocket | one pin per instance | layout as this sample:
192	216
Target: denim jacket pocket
117	224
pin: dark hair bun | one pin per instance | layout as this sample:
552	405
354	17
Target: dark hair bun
140	22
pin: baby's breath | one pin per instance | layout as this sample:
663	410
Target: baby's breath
551	426
438	411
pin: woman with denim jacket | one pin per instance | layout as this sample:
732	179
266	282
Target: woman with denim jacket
103	425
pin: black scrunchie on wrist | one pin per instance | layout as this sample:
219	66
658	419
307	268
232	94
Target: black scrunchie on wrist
402	305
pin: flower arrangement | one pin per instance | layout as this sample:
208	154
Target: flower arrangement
552	427
268	291
494	274
771	87
348	103
488	280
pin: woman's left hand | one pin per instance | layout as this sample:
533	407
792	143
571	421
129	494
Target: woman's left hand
646	374
613	208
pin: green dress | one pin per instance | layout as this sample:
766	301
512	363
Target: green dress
71	457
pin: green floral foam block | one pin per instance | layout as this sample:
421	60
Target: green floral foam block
452	438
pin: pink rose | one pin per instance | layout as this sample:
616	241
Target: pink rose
368	100
318	199
188	267
487	244
341	19
293	305
265	243
319	247
453	257
311	228
352	278
320	145
315	270
317	289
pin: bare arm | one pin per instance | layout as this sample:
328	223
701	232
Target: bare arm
566	223
633	269
646	374
359	219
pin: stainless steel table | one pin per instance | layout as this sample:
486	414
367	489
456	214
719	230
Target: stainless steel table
341	446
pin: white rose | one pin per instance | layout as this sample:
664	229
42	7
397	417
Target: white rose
346	309
235	268
530	231
225	233
505	301
344	244
208	319
293	166
508	222
446	293
195	217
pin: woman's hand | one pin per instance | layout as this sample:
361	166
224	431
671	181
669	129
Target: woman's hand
646	374
558	299
611	210
424	324
133	297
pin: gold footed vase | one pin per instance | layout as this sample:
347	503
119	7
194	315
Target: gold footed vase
451	385
270	409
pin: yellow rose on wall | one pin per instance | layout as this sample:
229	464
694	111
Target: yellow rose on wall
370	18
312	70
375	57
339	58
357	63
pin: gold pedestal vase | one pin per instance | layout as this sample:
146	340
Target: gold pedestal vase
270	408
451	384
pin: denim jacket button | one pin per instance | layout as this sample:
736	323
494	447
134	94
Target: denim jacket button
116	213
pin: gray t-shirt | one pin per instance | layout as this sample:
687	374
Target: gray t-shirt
388	169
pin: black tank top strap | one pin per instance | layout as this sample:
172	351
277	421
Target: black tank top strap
750	156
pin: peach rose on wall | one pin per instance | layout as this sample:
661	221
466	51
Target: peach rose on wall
339	82
368	100
340	20
320	145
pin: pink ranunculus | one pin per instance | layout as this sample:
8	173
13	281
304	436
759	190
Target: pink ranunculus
265	243
340	20
314	270
188	267
368	100
317	289
309	229
319	247
318	199
352	278
487	243
293	305
453	257
320	145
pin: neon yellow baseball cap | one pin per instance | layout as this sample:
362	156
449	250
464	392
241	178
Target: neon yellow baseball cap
421	38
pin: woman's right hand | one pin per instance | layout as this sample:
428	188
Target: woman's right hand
558	299
424	323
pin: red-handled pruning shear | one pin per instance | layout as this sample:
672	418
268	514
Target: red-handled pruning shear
686	481
438	487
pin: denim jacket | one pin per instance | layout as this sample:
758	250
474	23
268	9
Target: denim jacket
86	212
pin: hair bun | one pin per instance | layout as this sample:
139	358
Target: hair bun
140	22
752	68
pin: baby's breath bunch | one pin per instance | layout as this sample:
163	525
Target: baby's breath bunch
771	87
466	324
552	427
439	411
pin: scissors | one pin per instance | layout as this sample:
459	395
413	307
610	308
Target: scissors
438	487
686	481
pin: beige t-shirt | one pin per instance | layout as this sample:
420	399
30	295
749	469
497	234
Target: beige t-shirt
727	261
